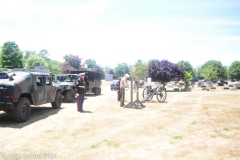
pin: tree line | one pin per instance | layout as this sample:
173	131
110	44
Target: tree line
160	70
12	57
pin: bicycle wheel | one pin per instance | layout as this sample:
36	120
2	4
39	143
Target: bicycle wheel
161	94
146	91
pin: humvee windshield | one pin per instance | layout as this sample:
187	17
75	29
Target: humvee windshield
65	78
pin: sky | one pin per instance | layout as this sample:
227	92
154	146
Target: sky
124	31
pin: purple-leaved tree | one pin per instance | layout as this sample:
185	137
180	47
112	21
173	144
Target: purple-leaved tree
164	71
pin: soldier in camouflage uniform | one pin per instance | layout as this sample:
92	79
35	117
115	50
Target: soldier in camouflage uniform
81	90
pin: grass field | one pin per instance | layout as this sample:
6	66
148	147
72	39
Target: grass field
188	125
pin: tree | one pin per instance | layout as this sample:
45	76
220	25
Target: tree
140	69
107	69
73	61
152	60
34	61
186	78
98	68
111	71
164	71
234	70
0	58
66	57
225	71
121	69
11	55
90	63
214	66
66	68
187	67
26	55
209	72
55	67
198	71
44	53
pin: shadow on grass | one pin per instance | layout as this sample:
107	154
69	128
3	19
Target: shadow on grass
37	113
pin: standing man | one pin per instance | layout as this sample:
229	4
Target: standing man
123	85
81	90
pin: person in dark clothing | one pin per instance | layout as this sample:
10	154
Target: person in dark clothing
118	89
81	90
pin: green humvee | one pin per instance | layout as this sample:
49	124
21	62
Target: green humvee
21	88
67	83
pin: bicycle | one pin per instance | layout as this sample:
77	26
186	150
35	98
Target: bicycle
159	91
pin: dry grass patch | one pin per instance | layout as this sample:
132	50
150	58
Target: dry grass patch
191	125
107	143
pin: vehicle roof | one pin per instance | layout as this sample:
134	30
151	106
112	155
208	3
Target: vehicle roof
65	74
96	75
114	81
22	73
77	72
25	71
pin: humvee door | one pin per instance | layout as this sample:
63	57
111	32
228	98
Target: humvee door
40	92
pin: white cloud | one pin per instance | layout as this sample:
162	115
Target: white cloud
147	38
74	14
14	9
110	46
6	34
82	12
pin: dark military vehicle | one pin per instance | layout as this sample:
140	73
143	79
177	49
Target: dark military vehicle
67	82
21	88
93	81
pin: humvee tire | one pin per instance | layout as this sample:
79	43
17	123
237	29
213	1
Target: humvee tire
97	91
21	110
58	100
70	95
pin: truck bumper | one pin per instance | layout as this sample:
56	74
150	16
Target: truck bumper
6	105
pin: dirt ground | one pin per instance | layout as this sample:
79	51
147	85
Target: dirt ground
188	125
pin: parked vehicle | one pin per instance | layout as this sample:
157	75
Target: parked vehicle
20	88
221	82
141	83
214	81
200	82
67	83
113	85
194	79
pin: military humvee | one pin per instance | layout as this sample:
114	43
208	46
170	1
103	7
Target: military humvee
21	88
67	82
93	81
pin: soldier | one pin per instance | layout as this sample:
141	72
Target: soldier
81	90
123	85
